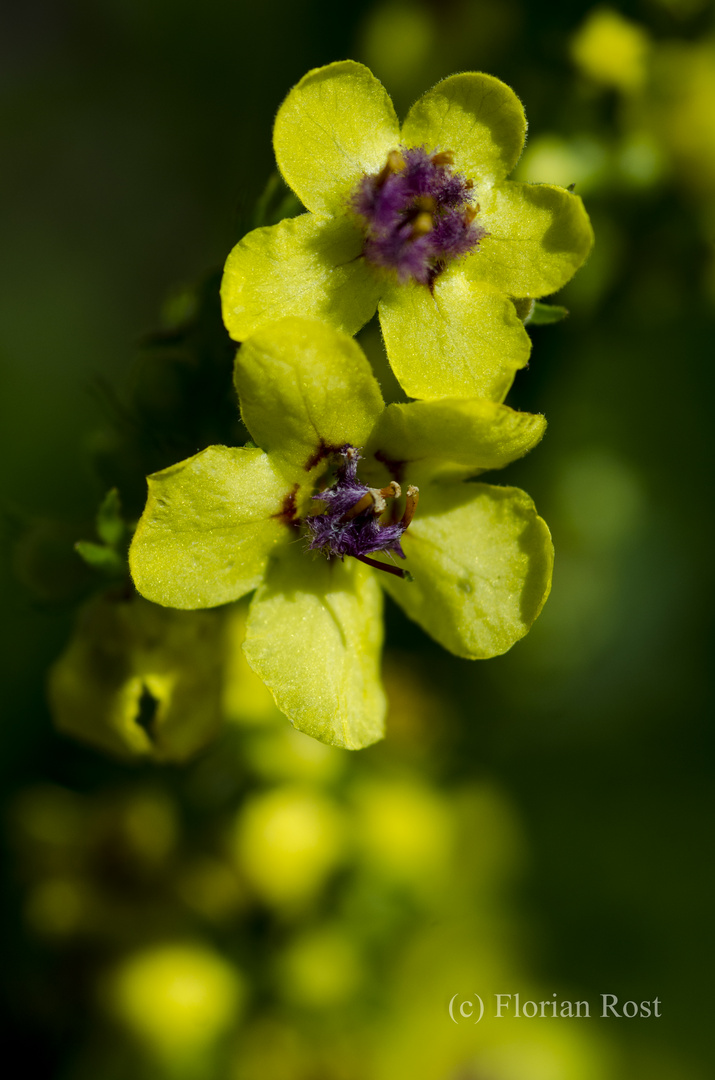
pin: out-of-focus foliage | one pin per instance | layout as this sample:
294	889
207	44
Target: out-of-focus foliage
317	912
139	680
540	825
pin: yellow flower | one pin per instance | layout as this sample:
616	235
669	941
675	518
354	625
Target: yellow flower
419	222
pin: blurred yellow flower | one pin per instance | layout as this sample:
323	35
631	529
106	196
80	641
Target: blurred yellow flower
177	999
138	680
404	831
287	841
611	50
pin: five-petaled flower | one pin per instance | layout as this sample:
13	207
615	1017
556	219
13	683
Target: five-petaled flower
419	222
234	519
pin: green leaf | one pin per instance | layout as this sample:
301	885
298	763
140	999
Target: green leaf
464	340
314	636
545	314
482	559
335	125
539	235
304	266
209	526
138	680
102	558
305	388
477	117
110	523
452	439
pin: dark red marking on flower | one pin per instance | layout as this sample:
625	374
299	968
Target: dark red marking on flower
319	454
287	513
396	469
418	214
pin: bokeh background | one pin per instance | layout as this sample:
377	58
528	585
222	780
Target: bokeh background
540	823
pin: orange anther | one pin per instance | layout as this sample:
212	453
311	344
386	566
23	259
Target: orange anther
413	496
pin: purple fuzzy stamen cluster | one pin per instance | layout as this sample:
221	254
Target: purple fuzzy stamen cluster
361	534
390	203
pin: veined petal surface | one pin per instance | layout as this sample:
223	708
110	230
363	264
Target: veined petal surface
335	124
305	389
453	438
478	118
306	266
464	339
481	559
539	235
314	636
209	526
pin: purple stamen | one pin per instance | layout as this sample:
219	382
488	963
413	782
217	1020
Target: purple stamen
350	524
418	214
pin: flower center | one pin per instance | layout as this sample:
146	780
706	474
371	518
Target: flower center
351	522
418	214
